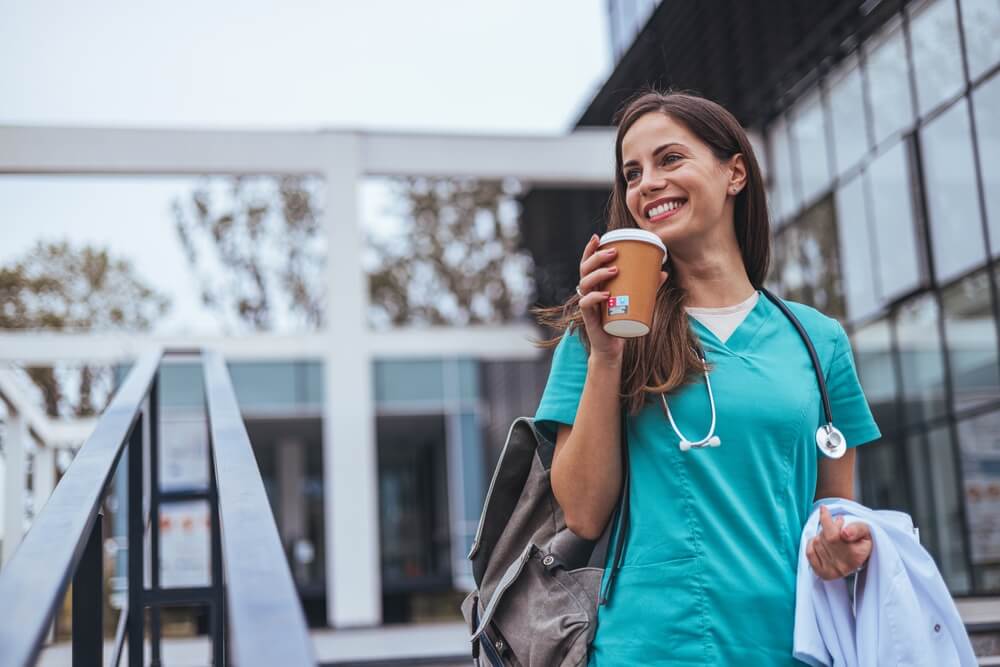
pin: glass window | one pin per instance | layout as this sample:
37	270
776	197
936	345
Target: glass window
470	473
313	382
413	502
985	105
893	221
937	511
971	336
952	197
889	83
756	142
981	22
873	357
406	381
806	260
980	448
882	487
469	379
182	386
809	140
265	384
847	115
920	359
858	257
780	159
937	53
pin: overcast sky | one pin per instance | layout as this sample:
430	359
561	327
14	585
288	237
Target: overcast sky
511	67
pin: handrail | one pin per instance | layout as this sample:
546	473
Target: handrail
33	582
266	623
255	612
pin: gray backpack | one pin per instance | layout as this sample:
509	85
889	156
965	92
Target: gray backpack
537	583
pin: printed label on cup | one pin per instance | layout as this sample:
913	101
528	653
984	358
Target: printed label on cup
618	305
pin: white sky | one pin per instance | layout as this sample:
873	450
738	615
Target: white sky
510	66
444	65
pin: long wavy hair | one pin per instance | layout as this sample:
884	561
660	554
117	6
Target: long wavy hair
667	358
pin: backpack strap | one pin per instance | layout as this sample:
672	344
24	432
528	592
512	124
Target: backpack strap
622	514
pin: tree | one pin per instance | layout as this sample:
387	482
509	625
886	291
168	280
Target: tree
456	258
259	253
59	287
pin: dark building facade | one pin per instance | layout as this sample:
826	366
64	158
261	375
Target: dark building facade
877	124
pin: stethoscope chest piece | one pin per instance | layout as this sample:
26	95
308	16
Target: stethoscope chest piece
831	441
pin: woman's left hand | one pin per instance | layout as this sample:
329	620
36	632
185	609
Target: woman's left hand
838	550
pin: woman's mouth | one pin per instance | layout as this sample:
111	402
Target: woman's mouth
665	210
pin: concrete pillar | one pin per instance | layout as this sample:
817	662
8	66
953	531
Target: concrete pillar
350	465
43	476
14	458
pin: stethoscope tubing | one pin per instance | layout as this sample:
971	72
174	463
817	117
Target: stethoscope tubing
828	438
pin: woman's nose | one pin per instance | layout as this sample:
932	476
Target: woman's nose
652	183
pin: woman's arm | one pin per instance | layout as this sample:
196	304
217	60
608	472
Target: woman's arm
838	550
587	467
835	477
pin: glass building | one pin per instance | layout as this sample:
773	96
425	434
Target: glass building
440	426
876	124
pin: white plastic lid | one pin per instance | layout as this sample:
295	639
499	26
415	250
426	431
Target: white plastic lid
632	234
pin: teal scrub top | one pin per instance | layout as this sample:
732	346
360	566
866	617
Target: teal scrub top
708	574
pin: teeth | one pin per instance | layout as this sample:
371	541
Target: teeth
663	208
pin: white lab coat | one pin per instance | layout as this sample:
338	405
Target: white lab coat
903	613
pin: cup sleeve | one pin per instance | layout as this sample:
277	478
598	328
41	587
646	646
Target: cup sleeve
564	386
851	412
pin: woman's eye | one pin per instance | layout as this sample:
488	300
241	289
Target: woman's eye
631	174
671	158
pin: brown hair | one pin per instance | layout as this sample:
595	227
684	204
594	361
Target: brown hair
665	359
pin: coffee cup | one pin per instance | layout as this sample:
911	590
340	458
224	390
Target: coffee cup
641	256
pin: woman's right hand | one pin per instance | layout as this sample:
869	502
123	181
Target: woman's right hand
594	273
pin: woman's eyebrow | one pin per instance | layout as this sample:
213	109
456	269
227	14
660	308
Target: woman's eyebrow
659	149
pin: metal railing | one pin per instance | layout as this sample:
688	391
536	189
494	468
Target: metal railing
254	610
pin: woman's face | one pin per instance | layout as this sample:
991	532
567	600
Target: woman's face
674	185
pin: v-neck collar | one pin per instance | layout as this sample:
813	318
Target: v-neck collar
744	335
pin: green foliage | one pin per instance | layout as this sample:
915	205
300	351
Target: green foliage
59	287
256	249
457	259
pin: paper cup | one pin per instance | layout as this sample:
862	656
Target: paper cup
641	255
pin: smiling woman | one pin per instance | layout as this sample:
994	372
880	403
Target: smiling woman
685	170
714	525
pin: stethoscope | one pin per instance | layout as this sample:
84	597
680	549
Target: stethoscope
829	439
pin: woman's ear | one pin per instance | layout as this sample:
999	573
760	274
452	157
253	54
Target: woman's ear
737	174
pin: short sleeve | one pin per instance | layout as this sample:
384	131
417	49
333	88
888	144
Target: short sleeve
851	413
564	386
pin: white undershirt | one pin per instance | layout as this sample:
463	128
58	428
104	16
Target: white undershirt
724	321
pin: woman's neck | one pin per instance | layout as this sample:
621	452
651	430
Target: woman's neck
714	277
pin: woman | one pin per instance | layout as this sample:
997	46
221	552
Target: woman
708	575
